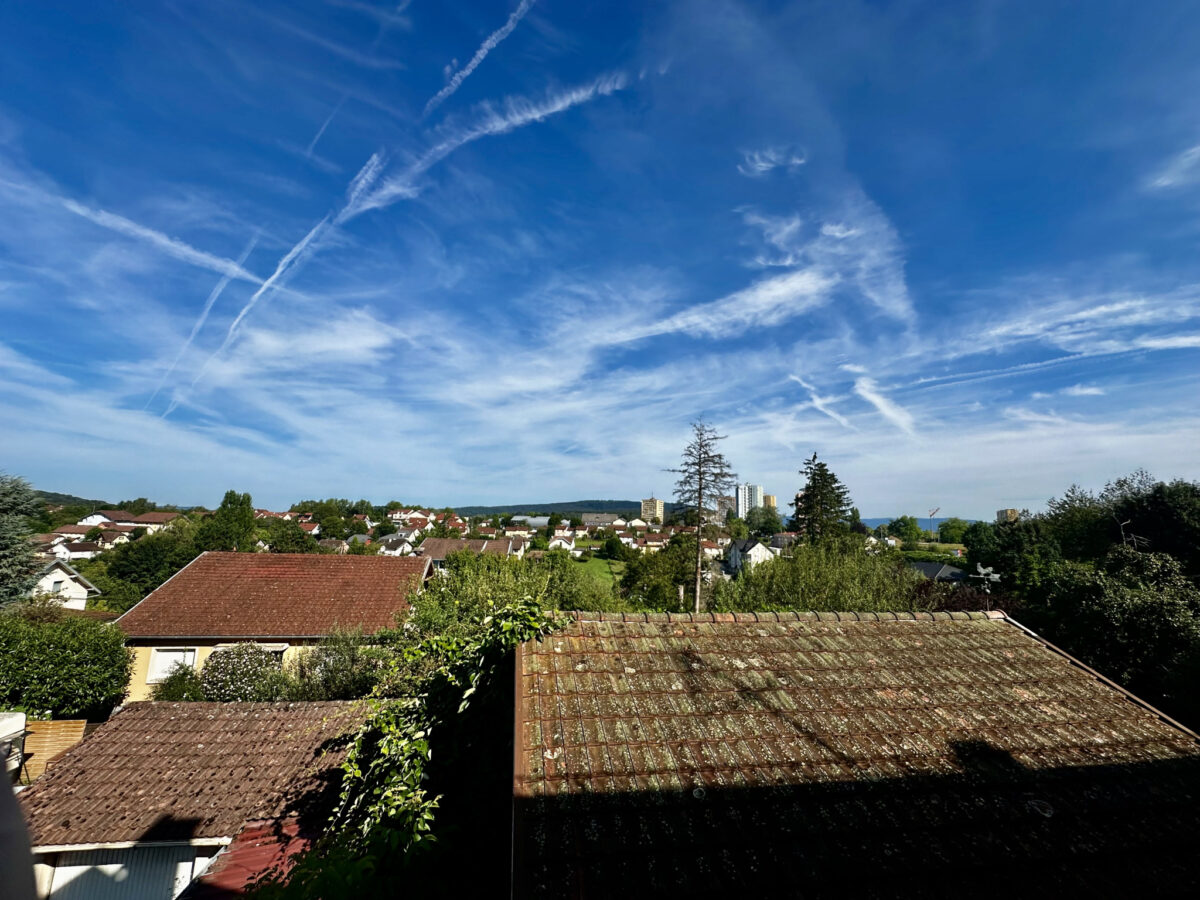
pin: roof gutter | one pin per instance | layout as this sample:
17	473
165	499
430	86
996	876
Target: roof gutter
127	845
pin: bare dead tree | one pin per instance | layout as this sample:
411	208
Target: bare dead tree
704	475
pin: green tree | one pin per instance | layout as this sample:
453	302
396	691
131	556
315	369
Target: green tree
835	575
653	580
285	536
822	508
181	684
147	563
704	475
385	527
737	528
951	530
73	667
1082	524
345	665
138	506
906	528
1135	617
857	526
763	521
94	533
231	527
18	564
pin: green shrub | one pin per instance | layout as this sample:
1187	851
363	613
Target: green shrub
181	683
72	667
834	576
242	672
346	665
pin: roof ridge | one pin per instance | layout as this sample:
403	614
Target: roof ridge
788	616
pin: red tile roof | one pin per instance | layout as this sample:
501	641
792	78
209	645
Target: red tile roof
178	771
252	595
847	755
155	518
263	846
310	526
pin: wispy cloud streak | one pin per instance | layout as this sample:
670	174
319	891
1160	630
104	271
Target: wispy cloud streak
821	404
890	410
213	296
485	48
516	113
307	245
169	245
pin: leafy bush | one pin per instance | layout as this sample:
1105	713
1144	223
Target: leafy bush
181	683
1135	618
242	672
346	665
73	667
834	576
389	804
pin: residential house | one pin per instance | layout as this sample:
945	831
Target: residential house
935	571
563	543
313	528
600	520
151	521
839	755
284	601
749	552
110	538
61	582
437	549
365	519
783	540
711	549
70	550
518	529
191	799
637	524
395	545
73	532
486	531
333	545
100	516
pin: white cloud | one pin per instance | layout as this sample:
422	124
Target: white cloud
756	163
1083	390
822	404
515	112
485	48
890	410
1183	169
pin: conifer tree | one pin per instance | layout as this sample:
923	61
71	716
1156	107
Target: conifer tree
704	475
822	506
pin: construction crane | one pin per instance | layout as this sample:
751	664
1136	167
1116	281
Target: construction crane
933	512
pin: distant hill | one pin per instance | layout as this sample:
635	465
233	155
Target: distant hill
56	499
567	506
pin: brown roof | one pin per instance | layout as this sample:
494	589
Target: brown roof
440	548
178	771
73	529
819	754
250	595
83	546
155	518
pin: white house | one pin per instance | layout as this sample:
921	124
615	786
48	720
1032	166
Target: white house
60	581
747	553
638	524
563	543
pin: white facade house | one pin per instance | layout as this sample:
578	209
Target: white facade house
748	553
61	582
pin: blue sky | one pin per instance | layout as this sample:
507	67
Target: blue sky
505	251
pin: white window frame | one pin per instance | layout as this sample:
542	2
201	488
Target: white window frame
157	672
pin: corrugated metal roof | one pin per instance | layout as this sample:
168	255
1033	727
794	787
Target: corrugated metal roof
849	754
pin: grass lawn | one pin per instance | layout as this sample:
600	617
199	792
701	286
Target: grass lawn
605	570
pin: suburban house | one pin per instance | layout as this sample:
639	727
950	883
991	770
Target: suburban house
601	520
68	550
935	571
437	549
284	601
518	529
839	755
398	544
711	549
165	796
562	543
61	582
333	545
151	521
313	528
747	553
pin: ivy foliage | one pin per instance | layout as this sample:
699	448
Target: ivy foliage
384	821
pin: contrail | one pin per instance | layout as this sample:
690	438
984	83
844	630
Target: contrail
208	305
307	245
484	49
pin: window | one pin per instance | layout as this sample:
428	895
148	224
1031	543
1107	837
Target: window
162	661
56	588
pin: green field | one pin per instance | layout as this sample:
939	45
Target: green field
605	570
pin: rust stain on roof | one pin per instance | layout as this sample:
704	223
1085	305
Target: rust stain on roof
695	755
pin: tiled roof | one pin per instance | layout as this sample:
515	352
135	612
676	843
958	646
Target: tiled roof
840	755
178	771
155	518
440	548
276	595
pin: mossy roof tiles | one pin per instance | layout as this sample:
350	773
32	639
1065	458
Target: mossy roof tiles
852	754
